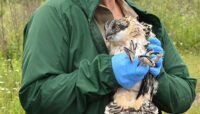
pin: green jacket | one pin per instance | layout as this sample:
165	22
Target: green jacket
66	68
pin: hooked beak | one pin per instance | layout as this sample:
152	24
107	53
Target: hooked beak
109	36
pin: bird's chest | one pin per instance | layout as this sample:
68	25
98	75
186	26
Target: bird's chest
139	44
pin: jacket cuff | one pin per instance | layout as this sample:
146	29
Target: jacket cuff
113	82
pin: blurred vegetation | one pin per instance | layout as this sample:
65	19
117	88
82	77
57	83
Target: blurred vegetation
13	17
181	19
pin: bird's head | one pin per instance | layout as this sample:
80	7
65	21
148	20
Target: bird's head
115	29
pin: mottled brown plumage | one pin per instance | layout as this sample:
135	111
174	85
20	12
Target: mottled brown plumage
129	35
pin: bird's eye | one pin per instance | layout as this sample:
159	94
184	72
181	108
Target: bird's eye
117	27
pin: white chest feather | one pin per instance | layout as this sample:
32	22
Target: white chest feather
140	41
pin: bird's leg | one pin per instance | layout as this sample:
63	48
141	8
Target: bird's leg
158	56
149	52
128	52
153	60
145	60
131	50
133	47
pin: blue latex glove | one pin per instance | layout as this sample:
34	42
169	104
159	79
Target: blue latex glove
155	44
127	73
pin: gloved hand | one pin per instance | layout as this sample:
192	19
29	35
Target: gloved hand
127	73
155	44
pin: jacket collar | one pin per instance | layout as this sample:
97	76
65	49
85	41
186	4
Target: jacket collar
89	7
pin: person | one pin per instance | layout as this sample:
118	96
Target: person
66	67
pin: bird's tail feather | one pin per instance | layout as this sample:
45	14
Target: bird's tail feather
147	108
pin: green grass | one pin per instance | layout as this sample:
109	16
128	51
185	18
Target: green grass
193	63
9	86
181	18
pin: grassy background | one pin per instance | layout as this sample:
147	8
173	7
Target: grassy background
181	19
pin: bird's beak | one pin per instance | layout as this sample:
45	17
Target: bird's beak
109	37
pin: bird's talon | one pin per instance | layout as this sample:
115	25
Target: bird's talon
128	52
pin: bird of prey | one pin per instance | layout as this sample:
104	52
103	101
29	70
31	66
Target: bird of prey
129	35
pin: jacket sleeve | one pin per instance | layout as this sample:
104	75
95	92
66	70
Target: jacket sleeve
47	87
176	88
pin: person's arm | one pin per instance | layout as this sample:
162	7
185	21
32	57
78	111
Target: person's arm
47	86
176	88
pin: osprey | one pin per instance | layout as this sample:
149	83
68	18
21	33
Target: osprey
131	36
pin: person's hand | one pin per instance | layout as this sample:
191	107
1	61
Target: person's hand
127	73
155	45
